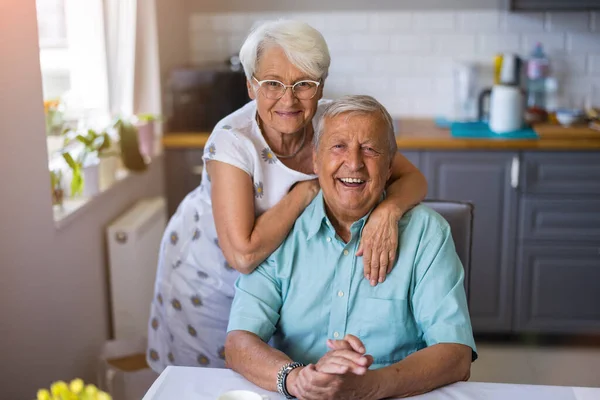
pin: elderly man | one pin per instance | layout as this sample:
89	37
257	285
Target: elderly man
336	335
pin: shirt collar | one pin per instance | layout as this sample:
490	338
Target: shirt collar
319	217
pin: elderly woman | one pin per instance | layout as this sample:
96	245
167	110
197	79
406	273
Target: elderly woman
258	179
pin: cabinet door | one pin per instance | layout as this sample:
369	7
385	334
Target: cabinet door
553	5
414	157
558	288
484	179
183	174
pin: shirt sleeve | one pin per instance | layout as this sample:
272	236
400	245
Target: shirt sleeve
227	146
439	301
257	302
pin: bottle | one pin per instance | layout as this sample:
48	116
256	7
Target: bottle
538	69
551	87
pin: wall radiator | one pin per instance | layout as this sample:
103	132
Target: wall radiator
133	247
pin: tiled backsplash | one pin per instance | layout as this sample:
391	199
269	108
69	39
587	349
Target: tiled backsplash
405	59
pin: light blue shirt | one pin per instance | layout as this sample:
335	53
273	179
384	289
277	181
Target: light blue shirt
312	289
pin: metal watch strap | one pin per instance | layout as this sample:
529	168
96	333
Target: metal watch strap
282	378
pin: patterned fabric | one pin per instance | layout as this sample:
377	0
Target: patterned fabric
312	289
194	282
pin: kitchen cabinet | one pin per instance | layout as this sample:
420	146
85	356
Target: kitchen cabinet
553	5
414	157
183	174
558	264
488	180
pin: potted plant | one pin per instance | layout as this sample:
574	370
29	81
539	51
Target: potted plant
56	187
86	166
145	125
130	149
54	112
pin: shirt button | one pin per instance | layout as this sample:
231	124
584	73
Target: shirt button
329	239
340	294
345	252
336	335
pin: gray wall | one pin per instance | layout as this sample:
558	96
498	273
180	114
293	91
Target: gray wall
53	291
326	5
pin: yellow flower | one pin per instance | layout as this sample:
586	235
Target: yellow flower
76	386
90	392
103	396
59	389
43	394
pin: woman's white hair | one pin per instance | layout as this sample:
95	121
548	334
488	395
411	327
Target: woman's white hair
357	104
303	45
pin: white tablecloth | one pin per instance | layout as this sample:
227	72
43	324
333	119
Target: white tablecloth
186	383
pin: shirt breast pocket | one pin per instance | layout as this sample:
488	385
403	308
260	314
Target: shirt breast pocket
387	328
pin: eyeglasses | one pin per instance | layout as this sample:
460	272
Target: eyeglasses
274	90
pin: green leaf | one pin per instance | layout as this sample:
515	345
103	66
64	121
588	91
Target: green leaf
86	141
70	161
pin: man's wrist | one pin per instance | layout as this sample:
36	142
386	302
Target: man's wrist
292	380
283	378
378	383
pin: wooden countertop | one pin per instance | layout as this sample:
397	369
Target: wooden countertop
423	134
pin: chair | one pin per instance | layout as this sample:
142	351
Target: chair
459	215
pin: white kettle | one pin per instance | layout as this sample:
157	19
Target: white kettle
507	109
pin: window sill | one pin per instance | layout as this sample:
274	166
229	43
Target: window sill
73	208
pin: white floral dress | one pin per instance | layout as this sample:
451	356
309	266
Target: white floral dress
194	284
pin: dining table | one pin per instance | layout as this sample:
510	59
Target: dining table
194	383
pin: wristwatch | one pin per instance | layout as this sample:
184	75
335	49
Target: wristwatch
282	377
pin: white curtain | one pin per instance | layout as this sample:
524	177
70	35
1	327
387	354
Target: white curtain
120	23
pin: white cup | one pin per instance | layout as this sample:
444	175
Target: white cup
241	395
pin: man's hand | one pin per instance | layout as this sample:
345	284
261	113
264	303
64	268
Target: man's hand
339	374
310	384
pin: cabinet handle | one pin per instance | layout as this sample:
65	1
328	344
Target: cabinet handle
197	169
514	172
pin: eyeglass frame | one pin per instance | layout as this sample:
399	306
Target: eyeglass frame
285	87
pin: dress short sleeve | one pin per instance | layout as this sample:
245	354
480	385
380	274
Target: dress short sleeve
226	145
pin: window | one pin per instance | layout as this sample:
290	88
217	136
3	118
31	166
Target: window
73	58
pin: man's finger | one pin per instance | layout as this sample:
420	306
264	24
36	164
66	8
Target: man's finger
350	355
326	365
356	343
338	345
334	368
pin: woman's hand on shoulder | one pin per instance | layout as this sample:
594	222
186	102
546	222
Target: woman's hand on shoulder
379	243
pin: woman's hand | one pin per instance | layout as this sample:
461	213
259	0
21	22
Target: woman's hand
310	189
379	243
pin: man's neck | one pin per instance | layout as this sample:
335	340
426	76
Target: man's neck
342	222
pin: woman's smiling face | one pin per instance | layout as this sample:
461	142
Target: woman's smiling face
288	114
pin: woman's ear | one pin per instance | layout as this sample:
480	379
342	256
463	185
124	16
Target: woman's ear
321	87
251	92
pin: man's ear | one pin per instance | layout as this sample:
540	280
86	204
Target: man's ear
314	159
250	88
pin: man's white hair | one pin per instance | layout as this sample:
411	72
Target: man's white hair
303	45
357	104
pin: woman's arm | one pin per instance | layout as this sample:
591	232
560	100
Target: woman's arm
245	240
407	187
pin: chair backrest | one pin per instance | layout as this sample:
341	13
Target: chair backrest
459	215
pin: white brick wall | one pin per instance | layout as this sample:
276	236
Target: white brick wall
405	58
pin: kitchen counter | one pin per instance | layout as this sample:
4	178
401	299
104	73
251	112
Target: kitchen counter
423	134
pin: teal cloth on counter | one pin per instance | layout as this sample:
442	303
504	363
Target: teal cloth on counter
481	130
